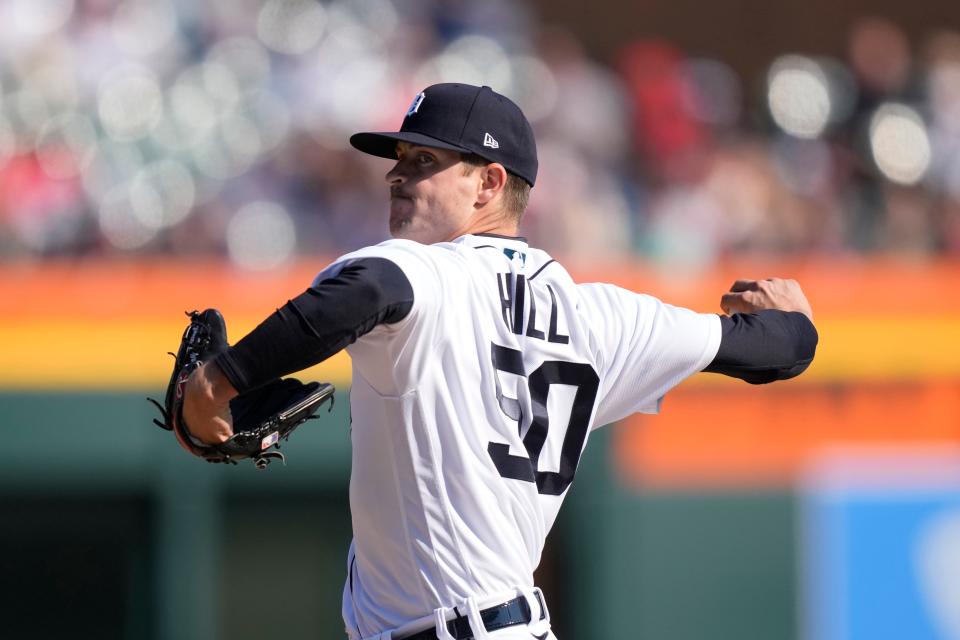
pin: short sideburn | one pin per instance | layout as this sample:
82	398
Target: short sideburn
516	191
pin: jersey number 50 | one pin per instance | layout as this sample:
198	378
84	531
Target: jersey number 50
575	374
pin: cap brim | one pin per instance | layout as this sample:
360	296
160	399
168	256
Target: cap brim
384	144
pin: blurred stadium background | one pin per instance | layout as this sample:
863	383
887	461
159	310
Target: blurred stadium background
164	155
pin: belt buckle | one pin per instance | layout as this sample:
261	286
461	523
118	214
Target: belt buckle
499	616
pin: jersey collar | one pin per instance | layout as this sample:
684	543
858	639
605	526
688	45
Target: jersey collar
478	240
515	248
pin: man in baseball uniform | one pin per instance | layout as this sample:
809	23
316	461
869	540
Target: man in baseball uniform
480	368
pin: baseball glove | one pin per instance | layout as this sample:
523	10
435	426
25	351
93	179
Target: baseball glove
262	417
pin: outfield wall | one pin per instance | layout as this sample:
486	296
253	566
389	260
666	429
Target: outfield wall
685	525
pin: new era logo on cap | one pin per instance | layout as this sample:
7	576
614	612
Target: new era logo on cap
460	117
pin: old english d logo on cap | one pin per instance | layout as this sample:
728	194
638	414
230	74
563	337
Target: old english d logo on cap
464	118
415	105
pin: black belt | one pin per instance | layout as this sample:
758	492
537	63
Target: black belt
508	614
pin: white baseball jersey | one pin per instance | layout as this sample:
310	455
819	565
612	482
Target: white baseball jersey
470	414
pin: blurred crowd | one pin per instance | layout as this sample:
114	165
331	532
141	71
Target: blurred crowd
182	128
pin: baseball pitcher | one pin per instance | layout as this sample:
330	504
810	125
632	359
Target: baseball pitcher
480	369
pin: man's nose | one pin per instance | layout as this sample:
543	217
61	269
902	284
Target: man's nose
395	176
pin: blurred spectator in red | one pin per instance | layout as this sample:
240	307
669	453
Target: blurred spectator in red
670	141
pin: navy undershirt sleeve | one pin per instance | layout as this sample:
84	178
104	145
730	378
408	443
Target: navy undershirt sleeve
319	322
765	346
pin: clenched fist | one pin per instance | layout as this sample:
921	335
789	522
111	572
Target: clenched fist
749	296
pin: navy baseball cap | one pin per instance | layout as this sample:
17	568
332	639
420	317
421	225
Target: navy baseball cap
465	118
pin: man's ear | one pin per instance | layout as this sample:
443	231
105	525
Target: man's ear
493	178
